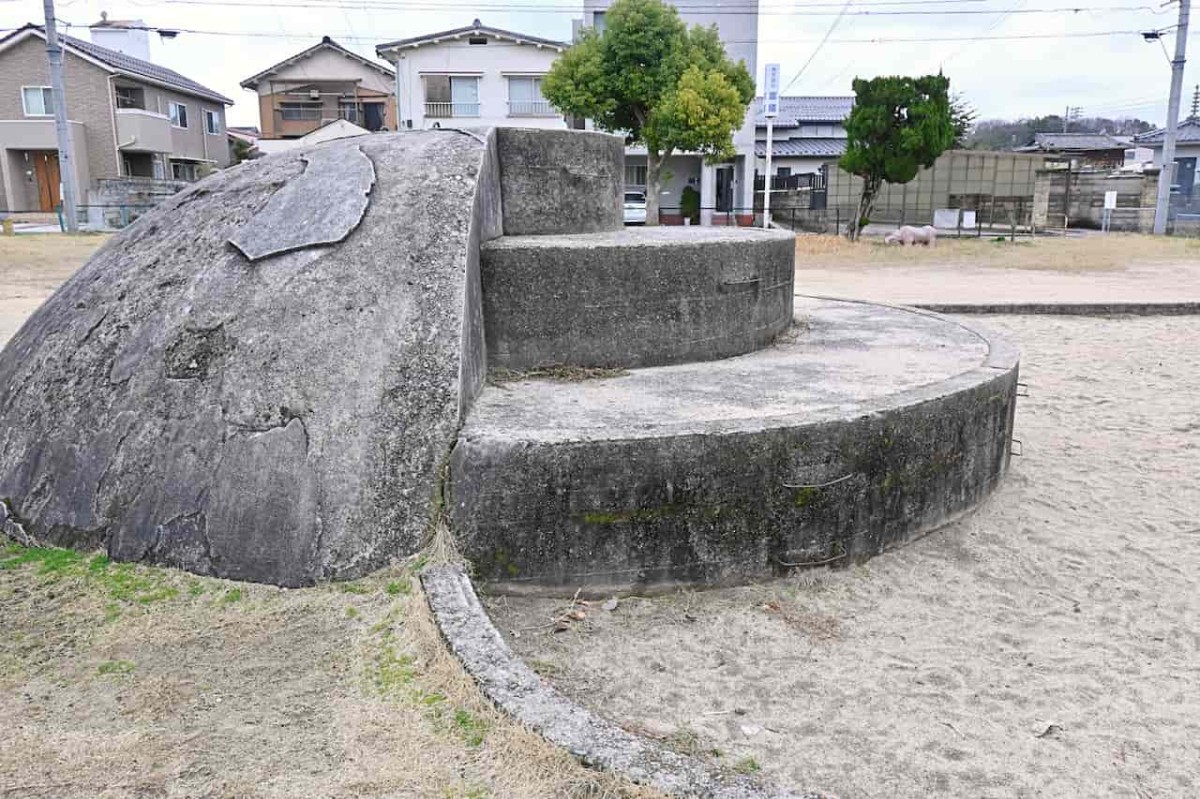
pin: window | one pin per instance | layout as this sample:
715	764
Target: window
38	101
598	21
525	98
178	114
451	96
635	175
212	123
183	170
300	110
130	97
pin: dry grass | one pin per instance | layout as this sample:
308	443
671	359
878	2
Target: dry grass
123	681
1084	253
32	267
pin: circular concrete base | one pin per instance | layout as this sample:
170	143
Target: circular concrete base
861	427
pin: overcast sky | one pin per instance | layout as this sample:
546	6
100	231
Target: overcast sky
973	41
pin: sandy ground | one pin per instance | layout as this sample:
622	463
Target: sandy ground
1046	646
32	267
1091	268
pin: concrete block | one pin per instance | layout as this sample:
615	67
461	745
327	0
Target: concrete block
636	297
560	181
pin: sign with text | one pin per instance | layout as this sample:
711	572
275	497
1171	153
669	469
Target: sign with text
771	92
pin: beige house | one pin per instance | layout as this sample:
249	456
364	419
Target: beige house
130	118
322	84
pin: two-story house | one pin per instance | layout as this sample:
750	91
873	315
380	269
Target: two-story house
808	135
477	75
726	189
130	118
323	84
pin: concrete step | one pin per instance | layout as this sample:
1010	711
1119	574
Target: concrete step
635	297
863	426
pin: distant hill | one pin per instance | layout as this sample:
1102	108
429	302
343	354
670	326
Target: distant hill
1004	134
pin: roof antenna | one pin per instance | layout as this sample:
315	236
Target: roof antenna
1196	103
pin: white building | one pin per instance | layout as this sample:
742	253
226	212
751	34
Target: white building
476	76
728	188
808	135
1187	153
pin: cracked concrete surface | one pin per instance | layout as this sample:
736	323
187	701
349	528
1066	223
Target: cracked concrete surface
279	419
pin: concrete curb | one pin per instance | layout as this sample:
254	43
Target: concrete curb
520	693
1069	308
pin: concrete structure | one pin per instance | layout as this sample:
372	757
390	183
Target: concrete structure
809	134
319	85
130	118
635	298
1076	199
726	189
862	428
473	76
278	375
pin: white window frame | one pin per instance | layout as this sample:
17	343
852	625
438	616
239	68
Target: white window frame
171	106
46	90
216	118
539	107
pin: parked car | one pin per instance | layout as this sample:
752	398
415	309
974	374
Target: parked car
635	208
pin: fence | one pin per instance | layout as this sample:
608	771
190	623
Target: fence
997	187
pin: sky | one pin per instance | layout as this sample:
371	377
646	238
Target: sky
1008	58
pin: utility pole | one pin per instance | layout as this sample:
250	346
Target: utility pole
1166	175
66	157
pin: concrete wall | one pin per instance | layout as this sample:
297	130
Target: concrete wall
493	63
1076	199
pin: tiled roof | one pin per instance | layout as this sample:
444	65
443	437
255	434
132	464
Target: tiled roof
128	65
802	148
476	27
797	109
325	44
1188	132
1059	142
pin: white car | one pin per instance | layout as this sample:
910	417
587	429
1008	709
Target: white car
635	208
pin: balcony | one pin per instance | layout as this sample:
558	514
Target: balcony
143	131
449	110
535	108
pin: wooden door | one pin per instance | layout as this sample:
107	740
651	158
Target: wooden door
45	166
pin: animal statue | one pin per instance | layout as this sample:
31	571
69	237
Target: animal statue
908	234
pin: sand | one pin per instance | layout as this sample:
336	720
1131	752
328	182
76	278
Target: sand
1047	645
32	267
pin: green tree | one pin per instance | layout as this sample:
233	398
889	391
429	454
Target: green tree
661	84
898	126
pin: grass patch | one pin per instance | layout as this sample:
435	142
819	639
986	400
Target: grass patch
398	588
747	765
124	582
231	596
116	667
472	728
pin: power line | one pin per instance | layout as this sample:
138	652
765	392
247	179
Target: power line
378	37
824	39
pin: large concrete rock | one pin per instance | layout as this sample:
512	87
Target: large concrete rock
283	419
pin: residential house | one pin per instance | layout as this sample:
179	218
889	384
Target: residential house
726	189
1187	151
316	86
808	135
130	118
476	75
1097	150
